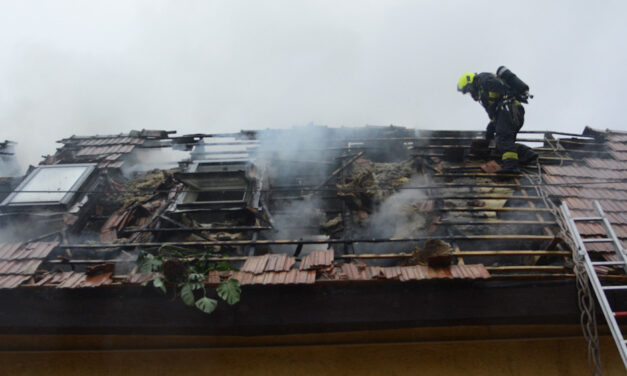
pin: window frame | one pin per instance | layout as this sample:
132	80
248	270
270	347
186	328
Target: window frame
67	197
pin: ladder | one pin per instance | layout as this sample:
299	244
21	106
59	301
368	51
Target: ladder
581	253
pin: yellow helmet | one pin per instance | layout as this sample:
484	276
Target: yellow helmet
464	82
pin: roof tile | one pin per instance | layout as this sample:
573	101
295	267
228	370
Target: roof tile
268	263
579	171
275	278
606	163
617	146
12	281
317	259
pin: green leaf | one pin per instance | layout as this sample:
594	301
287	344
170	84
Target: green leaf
223	266
206	305
187	295
195	285
196	277
230	291
158	283
151	264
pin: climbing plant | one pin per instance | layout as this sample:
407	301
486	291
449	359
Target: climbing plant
187	274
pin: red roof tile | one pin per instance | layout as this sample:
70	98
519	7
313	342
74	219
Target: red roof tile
606	163
276	278
268	263
579	171
621	156
617	137
103	150
597	194
582	181
617	146
96	141
12	281
607	205
8	249
36	250
603	247
72	280
413	273
317	259
25	267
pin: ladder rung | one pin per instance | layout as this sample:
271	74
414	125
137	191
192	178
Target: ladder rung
620	314
588	219
601	263
602	240
614	287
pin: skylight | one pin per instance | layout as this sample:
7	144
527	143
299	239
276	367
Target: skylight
55	184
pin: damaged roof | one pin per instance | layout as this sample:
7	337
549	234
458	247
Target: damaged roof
318	216
108	151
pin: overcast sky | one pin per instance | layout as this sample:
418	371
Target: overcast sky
87	67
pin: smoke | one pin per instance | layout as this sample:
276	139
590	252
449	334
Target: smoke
8	163
226	66
398	216
148	159
293	162
299	220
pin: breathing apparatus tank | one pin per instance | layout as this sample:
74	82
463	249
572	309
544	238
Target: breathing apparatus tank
519	88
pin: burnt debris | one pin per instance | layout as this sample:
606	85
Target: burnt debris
304	205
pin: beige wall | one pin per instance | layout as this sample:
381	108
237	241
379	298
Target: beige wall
538	356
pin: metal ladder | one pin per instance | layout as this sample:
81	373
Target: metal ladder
581	253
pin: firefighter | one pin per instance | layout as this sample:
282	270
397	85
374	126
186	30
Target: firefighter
501	97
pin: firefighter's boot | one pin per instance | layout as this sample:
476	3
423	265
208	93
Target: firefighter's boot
510	164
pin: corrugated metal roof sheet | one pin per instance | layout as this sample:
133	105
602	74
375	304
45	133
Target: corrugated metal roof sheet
317	259
291	277
268	263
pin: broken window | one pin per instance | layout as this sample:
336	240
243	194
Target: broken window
50	185
215	183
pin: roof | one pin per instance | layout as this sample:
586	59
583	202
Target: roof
20	261
376	205
599	176
107	150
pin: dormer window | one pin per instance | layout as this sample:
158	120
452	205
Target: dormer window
215	183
